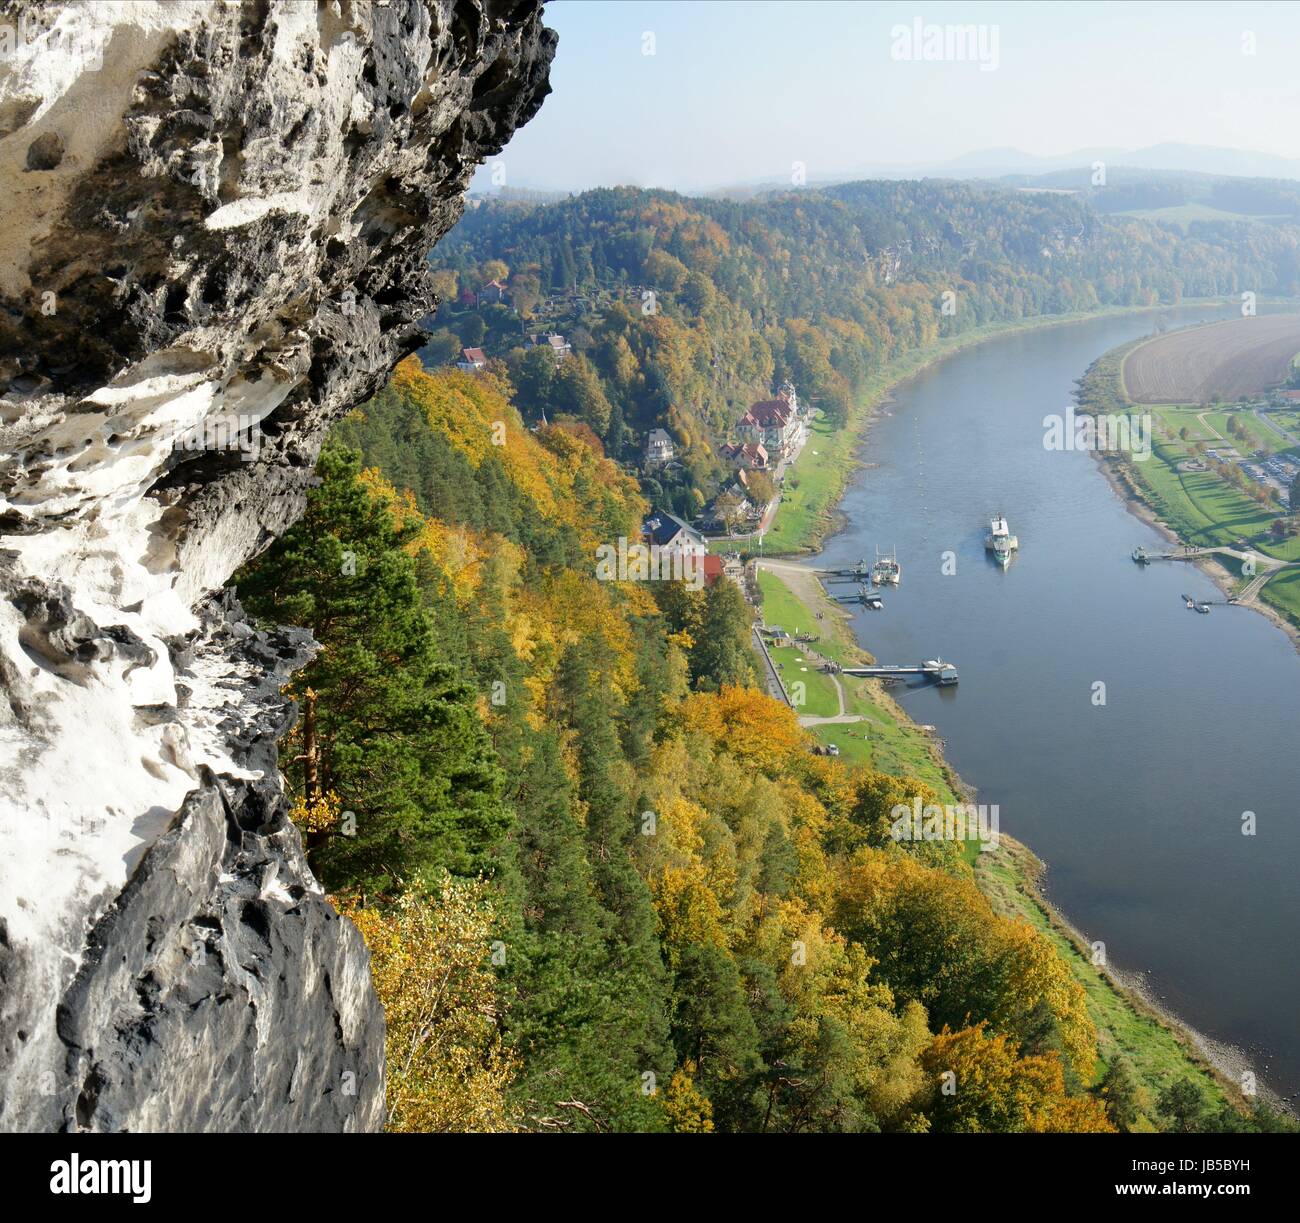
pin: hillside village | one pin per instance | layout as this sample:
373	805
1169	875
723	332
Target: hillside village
767	438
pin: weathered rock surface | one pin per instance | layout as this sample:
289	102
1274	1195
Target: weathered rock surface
214	229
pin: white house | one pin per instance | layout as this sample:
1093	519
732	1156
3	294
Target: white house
559	346
471	360
658	448
672	535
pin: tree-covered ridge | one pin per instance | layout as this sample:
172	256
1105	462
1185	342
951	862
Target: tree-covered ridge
605	883
817	287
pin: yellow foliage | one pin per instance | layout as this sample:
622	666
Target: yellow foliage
752	725
823	977
557	472
808	822
685	891
401	505
981	1085
456	552
689	1111
892	892
320	815
446	1068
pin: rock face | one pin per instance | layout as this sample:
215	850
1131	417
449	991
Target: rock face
214	229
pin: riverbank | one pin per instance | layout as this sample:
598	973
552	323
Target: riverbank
1128	490
1130	1023
867	725
816	483
1194	508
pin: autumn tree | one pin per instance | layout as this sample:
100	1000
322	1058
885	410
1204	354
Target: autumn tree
724	653
979	1085
447	1067
762	488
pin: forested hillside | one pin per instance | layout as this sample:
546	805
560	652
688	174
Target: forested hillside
605	882
683	311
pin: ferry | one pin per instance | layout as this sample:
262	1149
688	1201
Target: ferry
944	672
886	571
1000	541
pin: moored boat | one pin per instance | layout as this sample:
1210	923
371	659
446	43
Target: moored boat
886	571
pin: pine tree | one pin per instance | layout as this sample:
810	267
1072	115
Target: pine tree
611	830
1121	1095
723	654
386	727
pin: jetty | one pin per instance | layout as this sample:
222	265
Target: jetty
1267	566
944	673
859	572
865	596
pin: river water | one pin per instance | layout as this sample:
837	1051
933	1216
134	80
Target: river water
1136	806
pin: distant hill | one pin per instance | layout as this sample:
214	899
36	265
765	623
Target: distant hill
999	163
1177	197
681	312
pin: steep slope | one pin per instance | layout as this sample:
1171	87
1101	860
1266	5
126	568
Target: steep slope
671	913
214	228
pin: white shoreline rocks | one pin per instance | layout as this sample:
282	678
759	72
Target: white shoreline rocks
213	211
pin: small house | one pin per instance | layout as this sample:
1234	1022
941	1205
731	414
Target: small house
658	448
671	535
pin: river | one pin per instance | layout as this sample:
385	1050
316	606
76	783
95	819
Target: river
1135	805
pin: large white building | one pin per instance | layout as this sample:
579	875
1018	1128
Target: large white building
774	424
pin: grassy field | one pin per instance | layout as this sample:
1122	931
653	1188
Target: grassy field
886	739
819	696
1183	215
1258	436
782	609
1205	510
811	487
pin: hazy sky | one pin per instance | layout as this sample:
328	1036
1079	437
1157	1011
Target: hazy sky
739	92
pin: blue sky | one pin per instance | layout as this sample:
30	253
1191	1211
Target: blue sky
739	92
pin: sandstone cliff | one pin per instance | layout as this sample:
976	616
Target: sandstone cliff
214	226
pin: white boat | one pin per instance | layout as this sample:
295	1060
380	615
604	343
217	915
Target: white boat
1000	541
944	672
886	571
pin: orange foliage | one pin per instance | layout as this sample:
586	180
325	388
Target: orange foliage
982	1086
750	724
